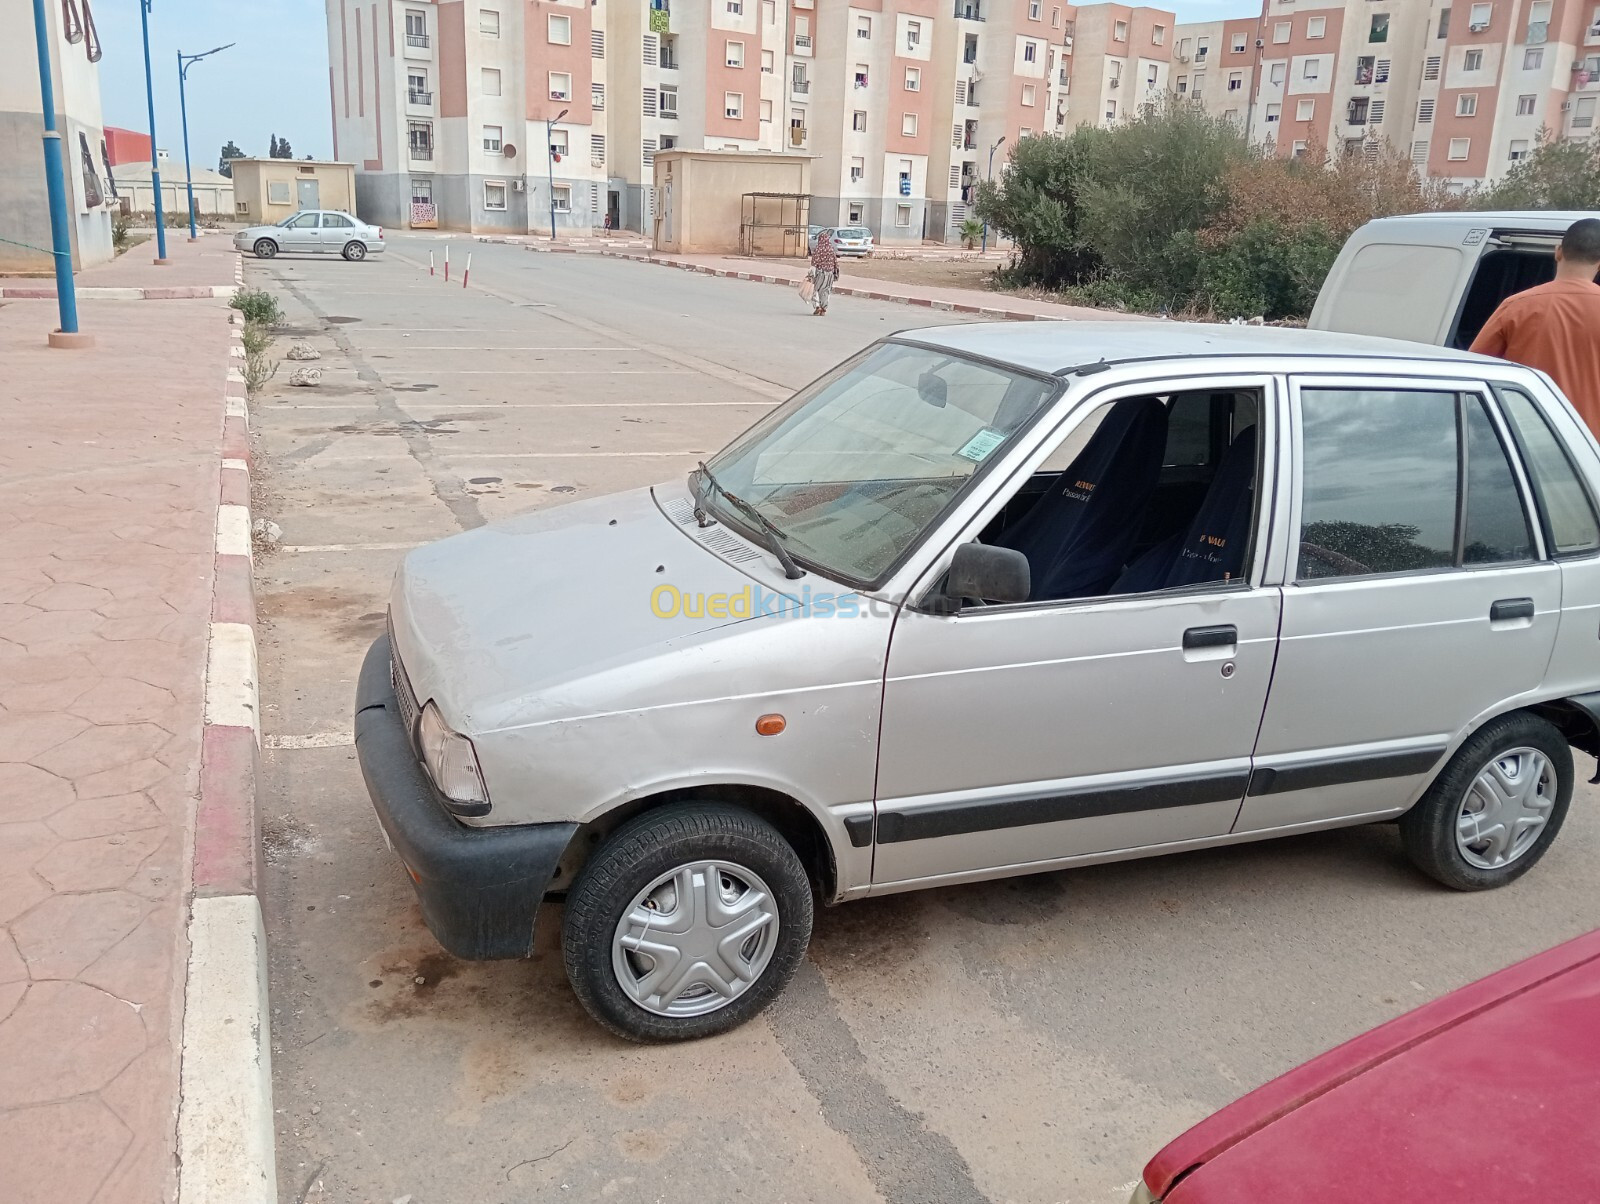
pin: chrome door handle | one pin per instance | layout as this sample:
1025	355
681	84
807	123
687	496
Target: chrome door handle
1511	608
1212	637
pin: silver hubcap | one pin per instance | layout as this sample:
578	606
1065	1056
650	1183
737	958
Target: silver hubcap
1505	808
695	939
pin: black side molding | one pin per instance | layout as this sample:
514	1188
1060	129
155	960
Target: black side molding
955	819
859	829
1343	770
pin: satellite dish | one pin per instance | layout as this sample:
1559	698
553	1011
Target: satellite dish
509	151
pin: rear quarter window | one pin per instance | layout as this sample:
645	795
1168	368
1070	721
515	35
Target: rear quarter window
1567	511
1395	290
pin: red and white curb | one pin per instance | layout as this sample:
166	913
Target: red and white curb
225	1135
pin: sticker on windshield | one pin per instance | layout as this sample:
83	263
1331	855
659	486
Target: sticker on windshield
980	445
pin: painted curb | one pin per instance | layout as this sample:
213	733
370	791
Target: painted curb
185	292
225	1131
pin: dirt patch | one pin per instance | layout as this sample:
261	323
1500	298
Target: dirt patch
348	614
934	273
1022	900
283	838
877	935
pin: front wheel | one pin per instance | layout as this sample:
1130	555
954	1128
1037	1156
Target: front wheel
1495	808
354	251
265	248
687	922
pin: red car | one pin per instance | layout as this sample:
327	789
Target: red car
1490	1094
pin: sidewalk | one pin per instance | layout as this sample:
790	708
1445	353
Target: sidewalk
197	270
109	491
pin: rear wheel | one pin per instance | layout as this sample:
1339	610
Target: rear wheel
354	251
265	248
687	922
1495	808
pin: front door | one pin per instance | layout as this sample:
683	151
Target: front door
310	197
1417	605
1018	736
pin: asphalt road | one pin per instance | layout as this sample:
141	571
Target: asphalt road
1030	1040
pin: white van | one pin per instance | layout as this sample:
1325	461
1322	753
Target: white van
1436	277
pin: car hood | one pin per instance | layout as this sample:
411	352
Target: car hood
490	623
252	232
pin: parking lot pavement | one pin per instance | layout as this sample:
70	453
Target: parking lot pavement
1030	1040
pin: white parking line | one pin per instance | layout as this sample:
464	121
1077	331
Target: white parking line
315	740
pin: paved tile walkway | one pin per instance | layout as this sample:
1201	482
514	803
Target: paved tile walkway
108	490
209	261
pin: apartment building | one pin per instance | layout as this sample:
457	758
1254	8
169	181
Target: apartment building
1121	58
1218	65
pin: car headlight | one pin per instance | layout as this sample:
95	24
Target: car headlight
451	761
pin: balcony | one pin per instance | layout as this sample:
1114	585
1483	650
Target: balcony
422	151
802	44
967	10
668	114
417	96
418	41
800	87
668	64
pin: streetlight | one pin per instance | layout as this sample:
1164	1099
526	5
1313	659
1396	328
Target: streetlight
155	169
990	176
56	186
185	61
550	162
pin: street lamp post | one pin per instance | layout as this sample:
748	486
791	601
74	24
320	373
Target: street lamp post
990	176
185	61
155	169
56	186
550	163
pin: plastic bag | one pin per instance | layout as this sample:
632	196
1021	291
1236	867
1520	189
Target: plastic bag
808	289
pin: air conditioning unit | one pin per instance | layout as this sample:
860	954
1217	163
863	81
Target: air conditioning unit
1478	26
519	186
1566	106
1182	58
1116	83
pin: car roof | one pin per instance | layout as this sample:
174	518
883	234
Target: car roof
1388	1115
1555	219
1055	347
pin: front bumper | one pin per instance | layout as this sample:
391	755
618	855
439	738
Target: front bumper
480	888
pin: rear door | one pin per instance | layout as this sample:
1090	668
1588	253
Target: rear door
1419	600
337	231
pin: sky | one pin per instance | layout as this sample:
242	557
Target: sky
274	80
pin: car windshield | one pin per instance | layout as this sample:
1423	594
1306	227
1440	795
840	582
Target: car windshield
856	467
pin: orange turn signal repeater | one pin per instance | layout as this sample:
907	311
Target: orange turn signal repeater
770	725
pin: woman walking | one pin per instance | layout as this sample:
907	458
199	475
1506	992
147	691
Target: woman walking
824	271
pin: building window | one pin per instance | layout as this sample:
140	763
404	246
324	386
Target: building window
494	194
489	27
1583	113
736	7
491	81
1028	94
766	112
858	121
1276	75
560	30
913	34
1378	31
1030	52
1199	82
766	62
734	56
1152	76
1280	32
1119	32
421	190
908	125
913	79
560	85
420	136
491	139
558	144
1298	150
1235	81
863	27
277	192
416	29
1111	110
1533	58
1525	105
1424	112
1481	13
667	99
1519	149
902	216
1317	27
858	168
1467	104
1239	43
1274	112
1158	35
1033	10
861	75
1305	110
1311	69
1473	61
1183	85
1459	148
561	198
417	87
733	105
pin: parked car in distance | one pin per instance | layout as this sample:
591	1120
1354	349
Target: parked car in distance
1436	277
989	600
1489	1094
313	232
847	240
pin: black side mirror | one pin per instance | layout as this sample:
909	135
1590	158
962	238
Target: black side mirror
989	574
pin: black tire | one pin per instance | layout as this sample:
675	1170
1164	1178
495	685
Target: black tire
635	855
355	251
265	248
1428	830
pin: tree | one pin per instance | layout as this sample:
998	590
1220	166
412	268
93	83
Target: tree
279	148
1558	174
229	152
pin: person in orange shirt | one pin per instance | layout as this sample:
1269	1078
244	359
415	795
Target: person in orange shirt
1555	327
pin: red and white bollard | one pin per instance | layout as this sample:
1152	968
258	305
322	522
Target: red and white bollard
447	263
468	270
430	263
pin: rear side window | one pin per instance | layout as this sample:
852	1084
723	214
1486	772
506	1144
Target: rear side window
1570	526
1384	491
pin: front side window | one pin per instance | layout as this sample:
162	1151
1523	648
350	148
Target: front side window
855	469
302	221
1383	491
1568	516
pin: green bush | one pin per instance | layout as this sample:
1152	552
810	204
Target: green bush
1266	270
1558	174
257	305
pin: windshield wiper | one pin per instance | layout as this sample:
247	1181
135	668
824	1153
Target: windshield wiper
790	569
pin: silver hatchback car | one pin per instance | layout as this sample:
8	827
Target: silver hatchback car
991	600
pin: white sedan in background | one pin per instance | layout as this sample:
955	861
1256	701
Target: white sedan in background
313	232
